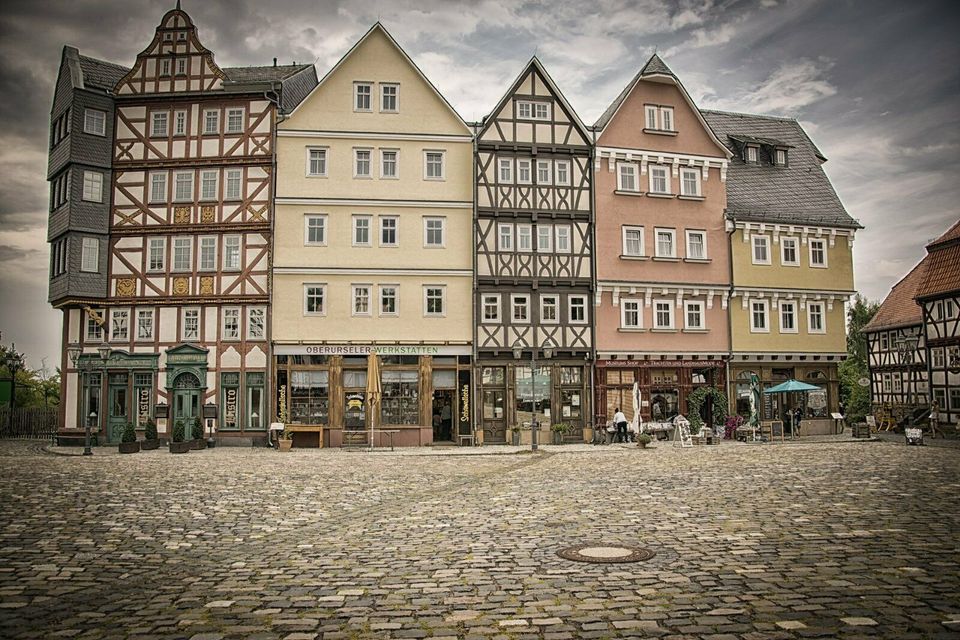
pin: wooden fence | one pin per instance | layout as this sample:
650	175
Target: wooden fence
28	423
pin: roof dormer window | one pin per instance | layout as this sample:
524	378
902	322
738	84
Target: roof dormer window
752	153
780	157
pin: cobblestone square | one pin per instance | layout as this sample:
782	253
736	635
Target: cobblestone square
752	541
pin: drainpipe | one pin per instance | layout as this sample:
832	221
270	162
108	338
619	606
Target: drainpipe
731	394
273	95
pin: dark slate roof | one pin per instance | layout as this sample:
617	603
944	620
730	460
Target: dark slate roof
297	87
654	66
100	74
799	193
755	140
899	309
297	80
262	74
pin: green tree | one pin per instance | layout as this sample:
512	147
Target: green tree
35	388
856	398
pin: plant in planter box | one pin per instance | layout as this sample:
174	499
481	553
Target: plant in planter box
643	440
559	429
730	426
150	439
286	439
177	445
196	432
128	440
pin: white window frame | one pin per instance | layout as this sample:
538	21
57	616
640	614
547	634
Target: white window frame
90	255
162	175
521	300
368	95
684	172
651	117
625	230
160	243
443	300
93	332
322	161
195	311
396	300
822	243
752	154
565	166
509	244
753	249
666	113
90	119
548	236
795	243
251	311
563	232
780	157
687	306
211	126
793	313
524	164
181	62
636	304
155	118
145	313
673	242
703	235
492	299
396	231
176	189
544	172
231	111
536	111
227	243
228	193
670	311
396	97
179	122
183	241
576	301
528	228
307	219
766	316
652	171
426	232
353	230
396	164
307	286
556	308
443	164
118	313
823	318
230	312
505	165
356	163
524	110
165	62
205	173
354	290
92	186
631	169
206	264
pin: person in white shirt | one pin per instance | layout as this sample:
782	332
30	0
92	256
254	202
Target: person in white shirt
620	421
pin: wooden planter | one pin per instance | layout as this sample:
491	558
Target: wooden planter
180	447
130	447
149	445
200	443
286	445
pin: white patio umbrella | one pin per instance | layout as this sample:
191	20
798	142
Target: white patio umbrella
637	420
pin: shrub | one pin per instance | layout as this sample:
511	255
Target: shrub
129	433
150	432
560	427
197	431
644	439
178	431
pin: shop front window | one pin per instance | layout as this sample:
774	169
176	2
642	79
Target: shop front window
742	392
493	376
663	405
401	397
93	397
533	395
817	406
256	420
309	397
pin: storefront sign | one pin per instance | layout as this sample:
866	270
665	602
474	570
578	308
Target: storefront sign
230	408
464	385
187	358
282	403
143	404
365	349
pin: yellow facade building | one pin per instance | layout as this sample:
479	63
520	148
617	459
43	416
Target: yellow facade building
791	248
373	252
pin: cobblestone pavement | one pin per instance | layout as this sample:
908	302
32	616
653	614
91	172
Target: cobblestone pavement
847	540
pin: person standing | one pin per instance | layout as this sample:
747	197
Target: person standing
620	421
797	416
934	419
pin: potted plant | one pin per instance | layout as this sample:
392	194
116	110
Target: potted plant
150	439
128	441
197	433
643	440
515	435
286	440
177	445
558	430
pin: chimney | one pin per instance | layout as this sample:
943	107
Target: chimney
274	62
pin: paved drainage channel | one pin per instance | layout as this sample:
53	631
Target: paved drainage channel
604	554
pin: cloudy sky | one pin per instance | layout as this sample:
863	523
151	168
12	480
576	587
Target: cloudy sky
875	83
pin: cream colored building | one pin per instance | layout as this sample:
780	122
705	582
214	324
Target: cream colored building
373	251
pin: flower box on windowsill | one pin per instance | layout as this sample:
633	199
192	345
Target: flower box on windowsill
651	194
660	132
697	198
626	257
698	260
622	192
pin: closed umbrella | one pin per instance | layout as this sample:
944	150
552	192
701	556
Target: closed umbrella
754	401
374	391
636	408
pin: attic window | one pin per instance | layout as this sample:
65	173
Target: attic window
182	35
780	157
533	110
167	37
752	153
659	119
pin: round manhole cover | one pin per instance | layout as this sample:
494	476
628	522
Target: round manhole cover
603	553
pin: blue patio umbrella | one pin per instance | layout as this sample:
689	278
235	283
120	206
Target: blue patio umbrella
791	385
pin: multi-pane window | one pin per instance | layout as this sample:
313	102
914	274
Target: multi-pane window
313	299
761	250
90	255
689	182
578	309
388	300
434	301
563	238
491	308
544	237
158	123
633	241
60	190
696	245
316	162
815	319
93	186
388	231
95	122
541	111
433	232
388	163
780	157
789	256
119	324
694	315
505	237
548	309
758	316
627	177
234	120
361	231
182	254
433	161
362	92
191	324
179	123
231	323
61	128
630	317
506	170
651	116
524	110
158	187
818	253
752	154
208	185
524	237
523	172
231	252
659	182
666	118
165	62
211	122
144	324
361	299
788	318
208	253
156	257
181	65
234	178
94	328
361	164
563	172
315	230
58	257
256	323
663	314
389	95
183	190
543	172
521	308
666	243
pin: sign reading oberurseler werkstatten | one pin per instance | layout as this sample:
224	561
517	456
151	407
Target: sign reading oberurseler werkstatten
365	349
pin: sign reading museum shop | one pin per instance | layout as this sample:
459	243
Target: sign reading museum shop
366	349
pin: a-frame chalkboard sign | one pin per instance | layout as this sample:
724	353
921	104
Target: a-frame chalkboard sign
681	432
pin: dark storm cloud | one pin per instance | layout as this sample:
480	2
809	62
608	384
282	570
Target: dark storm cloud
875	83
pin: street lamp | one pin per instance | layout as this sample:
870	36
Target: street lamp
547	354
85	366
14	363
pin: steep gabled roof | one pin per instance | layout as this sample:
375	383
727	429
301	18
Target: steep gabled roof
296	80
942	275
799	193
899	309
101	74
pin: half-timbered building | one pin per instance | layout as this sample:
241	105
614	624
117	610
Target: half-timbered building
185	284
663	274
896	351
939	298
534	261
